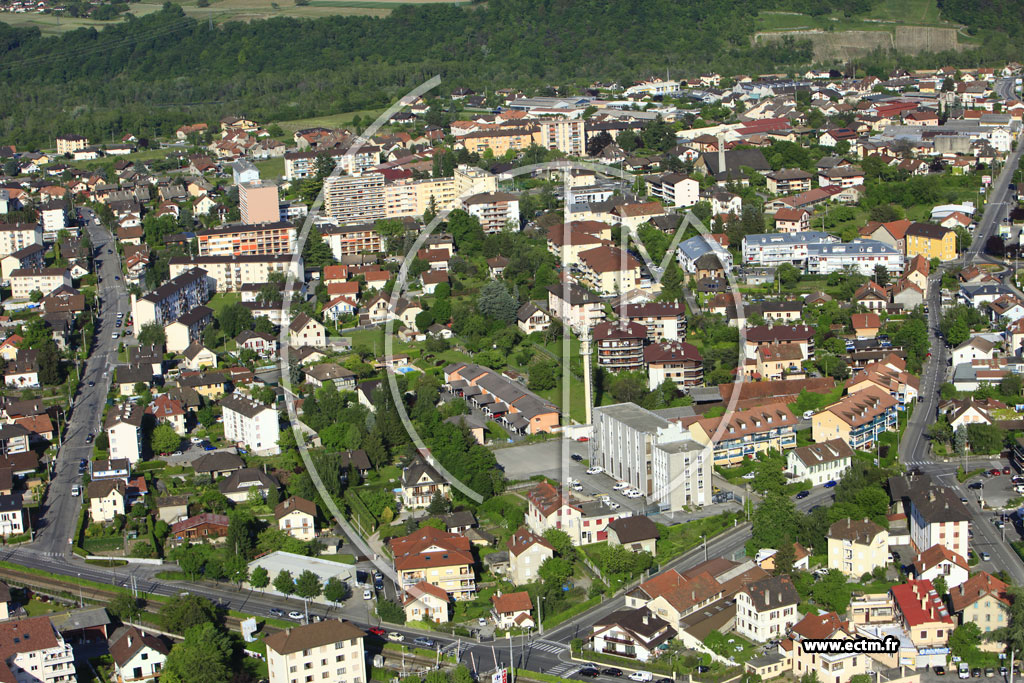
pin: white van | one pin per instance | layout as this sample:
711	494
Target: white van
641	676
76	490
964	670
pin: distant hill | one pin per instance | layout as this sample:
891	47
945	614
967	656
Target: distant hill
150	74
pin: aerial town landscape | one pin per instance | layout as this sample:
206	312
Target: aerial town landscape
709	375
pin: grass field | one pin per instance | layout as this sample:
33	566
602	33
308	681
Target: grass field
223	10
331	121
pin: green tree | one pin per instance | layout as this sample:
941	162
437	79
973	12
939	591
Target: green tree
438	504
236	569
204	656
190	561
543	376
125	607
771	521
832	592
259	578
940	586
561	542
1011	385
186	611
785	557
308	585
496	303
881	275
152	333
336	590
390	612
555	571
49	364
164	439
283	582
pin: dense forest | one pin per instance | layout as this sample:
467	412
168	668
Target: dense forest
149	75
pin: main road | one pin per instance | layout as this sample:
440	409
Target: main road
58	515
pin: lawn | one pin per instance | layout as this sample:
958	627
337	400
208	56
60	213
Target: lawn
332	120
35	607
677	539
220	301
271	168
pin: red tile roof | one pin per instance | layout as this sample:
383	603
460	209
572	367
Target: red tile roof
430	547
512	602
919	603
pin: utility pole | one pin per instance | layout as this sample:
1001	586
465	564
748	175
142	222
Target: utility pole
705	537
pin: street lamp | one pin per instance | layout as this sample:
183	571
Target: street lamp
81	601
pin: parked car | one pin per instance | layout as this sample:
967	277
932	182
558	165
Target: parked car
274	612
424	642
808	414
482	622
367	594
595	470
977	485
295	614
985	557
939	670
589	672
641	676
975	672
802	494
750	475
378	631
620	486
577	457
989	672
830	484
396	637
612	671
89	438
995	471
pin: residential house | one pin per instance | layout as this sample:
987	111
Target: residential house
106	499
940	561
819	463
426	602
636	633
124	431
526	553
441	558
420	482
306	331
297	517
137	656
512	610
575	306
925	618
187	329
638	533
857	547
32	650
983	600
767	608
931	241
238	485
531	319
935	513
865	325
198	356
12	515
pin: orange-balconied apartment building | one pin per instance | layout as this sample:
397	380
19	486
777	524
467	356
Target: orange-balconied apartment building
237	239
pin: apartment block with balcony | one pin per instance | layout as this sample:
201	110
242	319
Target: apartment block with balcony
237	239
32	650
352	199
228	273
251	424
859	420
678	362
24	281
620	345
351	240
15	236
856	547
496	211
746	433
565	135
188	288
440	558
329	650
665	321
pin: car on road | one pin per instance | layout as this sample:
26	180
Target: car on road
117	277
977	485
641	676
89	438
1007	470
295	614
995	471
424	642
963	500
91	383
208	447
378	631
621	486
829	484
576	486
83	463
985	557
612	671
396	637
367	594
583	439
633	493
113	335
613	505
176	454
589	672
274	612
482	622
999	523
595	470
76	490
802	494
577	457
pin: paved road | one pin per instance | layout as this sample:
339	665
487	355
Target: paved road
59	511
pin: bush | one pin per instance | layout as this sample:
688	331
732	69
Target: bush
390	612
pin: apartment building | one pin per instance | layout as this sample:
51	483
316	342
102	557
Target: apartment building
856	547
838	667
440	558
575	306
774	249
609	270
188	288
353	160
925	618
31	256
935	514
792	221
229	273
413	197
983	600
66	144
24	281
746	433
500	141
124	431
665	321
861	256
931	241
258	202
106	499
54	217
679	362
351	240
584	522
245	238
565	135
859	420
15	236
420	483
329	650
675	189
788	181
766	609
354	198
652	453
820	463
800	336
250	423
32	650
496	211
187	329
620	345
673	596
526	553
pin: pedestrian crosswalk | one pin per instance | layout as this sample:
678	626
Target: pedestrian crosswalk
563	670
548	646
